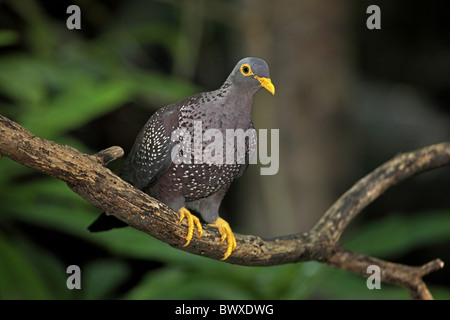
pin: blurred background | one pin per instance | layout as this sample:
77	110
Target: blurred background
347	100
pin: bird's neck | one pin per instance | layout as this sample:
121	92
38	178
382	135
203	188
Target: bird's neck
237	104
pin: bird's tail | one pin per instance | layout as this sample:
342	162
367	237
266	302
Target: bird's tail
105	222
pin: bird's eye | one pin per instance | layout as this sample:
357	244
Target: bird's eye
246	70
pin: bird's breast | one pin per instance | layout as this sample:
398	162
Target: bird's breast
195	181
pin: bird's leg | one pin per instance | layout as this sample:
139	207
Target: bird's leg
226	233
192	221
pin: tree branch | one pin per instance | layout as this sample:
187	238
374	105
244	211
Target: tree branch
407	276
87	176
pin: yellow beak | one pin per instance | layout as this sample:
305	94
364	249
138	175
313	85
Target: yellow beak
267	84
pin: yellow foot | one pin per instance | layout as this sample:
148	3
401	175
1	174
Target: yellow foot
192	221
226	233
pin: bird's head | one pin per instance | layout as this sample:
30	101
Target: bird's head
252	74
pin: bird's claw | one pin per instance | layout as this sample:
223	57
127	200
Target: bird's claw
222	225
226	233
192	221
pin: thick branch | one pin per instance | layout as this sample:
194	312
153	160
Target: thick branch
87	176
366	190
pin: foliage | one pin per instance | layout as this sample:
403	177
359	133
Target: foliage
64	85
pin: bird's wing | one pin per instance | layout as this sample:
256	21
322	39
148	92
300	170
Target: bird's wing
150	156
250	150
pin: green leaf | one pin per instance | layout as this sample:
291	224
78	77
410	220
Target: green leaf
100	278
8	37
18	278
23	80
399	233
76	106
179	283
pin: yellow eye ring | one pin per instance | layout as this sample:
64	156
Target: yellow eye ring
246	70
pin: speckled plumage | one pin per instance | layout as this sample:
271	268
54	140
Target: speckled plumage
197	186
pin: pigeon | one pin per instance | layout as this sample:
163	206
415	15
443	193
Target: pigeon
183	158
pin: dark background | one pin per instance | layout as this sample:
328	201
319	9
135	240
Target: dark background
347	99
